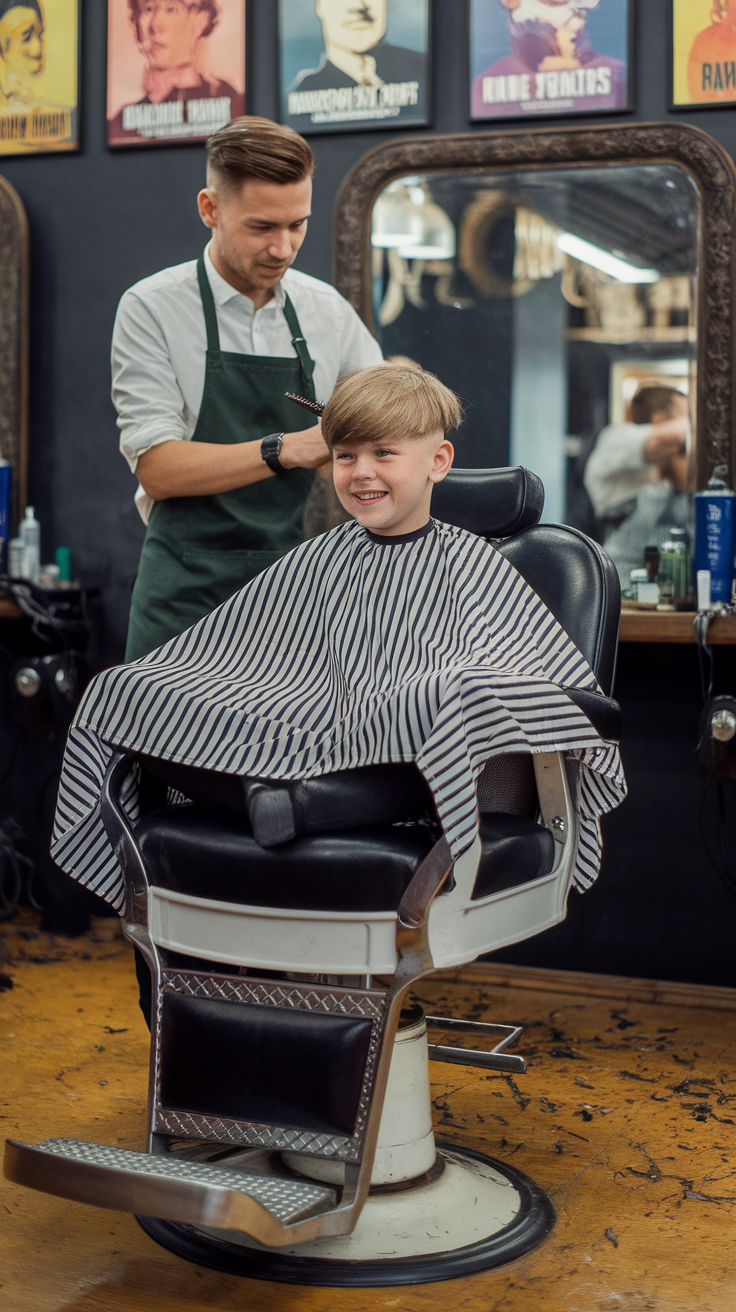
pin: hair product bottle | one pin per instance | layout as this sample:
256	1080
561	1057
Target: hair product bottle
30	535
714	534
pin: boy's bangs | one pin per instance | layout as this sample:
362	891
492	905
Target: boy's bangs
386	402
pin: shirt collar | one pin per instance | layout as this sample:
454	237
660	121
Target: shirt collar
223	292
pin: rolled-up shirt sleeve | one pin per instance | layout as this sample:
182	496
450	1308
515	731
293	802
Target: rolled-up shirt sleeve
358	347
145	392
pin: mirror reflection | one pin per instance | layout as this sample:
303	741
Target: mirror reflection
560	303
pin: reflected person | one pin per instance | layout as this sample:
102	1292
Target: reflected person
628	456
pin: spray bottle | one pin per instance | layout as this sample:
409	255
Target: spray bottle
714	534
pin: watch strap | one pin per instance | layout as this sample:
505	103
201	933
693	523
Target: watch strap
271	450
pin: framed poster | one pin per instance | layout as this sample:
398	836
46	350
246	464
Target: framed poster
347	65
542	57
175	69
39	76
703	53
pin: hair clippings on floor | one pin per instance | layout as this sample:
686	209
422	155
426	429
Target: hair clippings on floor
313	406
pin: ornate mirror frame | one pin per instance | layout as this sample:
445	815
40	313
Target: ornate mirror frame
14	343
710	167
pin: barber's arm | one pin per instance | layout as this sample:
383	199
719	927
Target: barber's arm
153	428
191	469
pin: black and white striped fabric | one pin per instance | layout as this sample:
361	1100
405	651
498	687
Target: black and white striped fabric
352	650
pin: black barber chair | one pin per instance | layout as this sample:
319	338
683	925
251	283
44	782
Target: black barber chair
290	1135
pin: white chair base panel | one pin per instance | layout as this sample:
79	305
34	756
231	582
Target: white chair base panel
476	1213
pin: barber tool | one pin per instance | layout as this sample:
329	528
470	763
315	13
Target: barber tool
714	533
313	406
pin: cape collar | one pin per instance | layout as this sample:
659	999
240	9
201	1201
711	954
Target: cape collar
382	540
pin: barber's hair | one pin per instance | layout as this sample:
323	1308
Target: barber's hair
250	147
653	399
389	401
210	7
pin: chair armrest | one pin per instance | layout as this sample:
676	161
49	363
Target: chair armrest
603	712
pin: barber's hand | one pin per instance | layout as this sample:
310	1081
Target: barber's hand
305	450
666	439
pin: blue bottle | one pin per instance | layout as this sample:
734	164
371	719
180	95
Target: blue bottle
6	475
714	534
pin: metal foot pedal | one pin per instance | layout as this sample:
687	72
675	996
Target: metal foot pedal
266	1208
495	1060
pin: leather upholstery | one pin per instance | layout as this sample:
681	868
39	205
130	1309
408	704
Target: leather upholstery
603	712
507	783
582	590
373	795
260	1063
210	854
515	850
490	502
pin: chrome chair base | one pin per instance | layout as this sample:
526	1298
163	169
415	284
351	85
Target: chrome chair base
414	1235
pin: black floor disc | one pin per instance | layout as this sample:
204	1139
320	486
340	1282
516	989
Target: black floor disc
532	1223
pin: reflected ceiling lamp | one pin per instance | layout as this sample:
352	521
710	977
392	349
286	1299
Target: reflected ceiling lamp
407	219
608	263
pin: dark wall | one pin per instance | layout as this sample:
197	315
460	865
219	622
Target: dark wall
100	220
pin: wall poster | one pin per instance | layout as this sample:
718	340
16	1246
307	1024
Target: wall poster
39	76
703	52
175	69
351	64
541	57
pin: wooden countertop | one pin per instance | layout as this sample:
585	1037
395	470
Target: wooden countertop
672	626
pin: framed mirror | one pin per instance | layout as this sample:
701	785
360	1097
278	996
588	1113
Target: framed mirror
575	287
14	345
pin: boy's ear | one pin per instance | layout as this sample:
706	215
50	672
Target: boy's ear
442	463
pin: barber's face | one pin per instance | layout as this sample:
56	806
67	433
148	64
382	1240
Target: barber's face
168	32
257	230
21	42
355	25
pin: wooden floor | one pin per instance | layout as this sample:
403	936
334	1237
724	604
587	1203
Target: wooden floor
626	1116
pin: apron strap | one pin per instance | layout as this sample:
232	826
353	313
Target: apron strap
208	305
299	343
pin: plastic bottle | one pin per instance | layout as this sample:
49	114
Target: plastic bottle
683	582
645	592
714	534
30	535
64	561
6	475
673	566
16	552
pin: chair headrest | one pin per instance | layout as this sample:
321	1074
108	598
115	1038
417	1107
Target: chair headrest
494	503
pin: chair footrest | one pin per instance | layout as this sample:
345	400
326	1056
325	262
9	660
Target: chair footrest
495	1060
194	1193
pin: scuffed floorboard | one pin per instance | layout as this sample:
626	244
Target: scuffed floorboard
627	1116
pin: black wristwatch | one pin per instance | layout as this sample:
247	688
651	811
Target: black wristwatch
271	450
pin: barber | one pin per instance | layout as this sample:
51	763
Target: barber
203	354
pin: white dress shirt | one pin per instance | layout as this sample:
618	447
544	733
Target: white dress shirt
159	344
616	467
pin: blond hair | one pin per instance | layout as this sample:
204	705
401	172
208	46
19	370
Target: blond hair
389	401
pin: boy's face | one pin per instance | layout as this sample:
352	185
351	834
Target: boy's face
387	486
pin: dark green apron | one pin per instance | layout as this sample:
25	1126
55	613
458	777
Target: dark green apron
198	551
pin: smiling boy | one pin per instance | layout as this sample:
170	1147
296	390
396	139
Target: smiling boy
384	474
392	641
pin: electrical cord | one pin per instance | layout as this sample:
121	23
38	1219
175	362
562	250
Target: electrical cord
722	868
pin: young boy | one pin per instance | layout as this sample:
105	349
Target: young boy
390	640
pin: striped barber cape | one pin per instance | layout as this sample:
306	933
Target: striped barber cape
352	650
